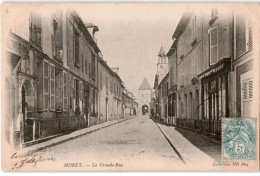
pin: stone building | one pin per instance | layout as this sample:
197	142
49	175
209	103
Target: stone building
51	80
130	104
246	33
162	99
187	57
106	91
211	72
144	95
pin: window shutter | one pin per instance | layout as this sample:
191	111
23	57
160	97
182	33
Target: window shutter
52	87
65	100
213	46
74	93
80	95
244	89
249	37
250	89
193	64
46	85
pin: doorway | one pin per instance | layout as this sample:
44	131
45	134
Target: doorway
27	111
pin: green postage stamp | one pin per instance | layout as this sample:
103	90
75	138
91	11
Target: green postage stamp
239	139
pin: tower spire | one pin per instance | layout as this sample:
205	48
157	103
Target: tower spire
161	52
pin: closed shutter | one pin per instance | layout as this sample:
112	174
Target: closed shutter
244	90
193	64
74	94
46	85
247	96
213	46
52	87
249	35
65	100
250	89
247	89
80	95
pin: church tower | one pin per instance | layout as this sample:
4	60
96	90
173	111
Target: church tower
162	65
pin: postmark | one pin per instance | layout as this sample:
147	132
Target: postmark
238	139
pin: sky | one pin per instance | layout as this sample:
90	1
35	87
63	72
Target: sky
131	35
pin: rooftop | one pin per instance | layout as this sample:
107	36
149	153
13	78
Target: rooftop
145	85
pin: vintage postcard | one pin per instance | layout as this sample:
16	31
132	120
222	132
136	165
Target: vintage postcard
130	86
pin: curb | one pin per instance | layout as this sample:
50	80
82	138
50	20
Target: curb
169	139
30	151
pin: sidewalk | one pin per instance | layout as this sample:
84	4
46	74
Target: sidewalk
191	145
73	135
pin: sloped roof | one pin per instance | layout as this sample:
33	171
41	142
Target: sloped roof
145	85
161	52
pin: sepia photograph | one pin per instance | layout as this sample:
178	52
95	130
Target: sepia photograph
130	86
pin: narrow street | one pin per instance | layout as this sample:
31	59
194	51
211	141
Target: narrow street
133	143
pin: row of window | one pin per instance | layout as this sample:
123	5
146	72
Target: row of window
55	90
214	43
114	88
91	67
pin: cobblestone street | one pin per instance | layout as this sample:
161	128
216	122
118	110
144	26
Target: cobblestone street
132	143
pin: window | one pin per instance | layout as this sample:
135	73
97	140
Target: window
213	45
65	100
194	63
111	87
181	47
80	95
94	101
46	84
115	88
100	81
82	64
214	12
77	92
182	74
86	67
193	28
57	37
249	37
74	94
106	83
76	48
93	68
247	89
58	90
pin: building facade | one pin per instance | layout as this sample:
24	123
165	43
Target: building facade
162	99
55	79
210	69
144	95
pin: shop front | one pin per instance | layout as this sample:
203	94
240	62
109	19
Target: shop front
214	96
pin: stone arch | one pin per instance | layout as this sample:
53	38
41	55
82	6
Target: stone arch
28	89
145	109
